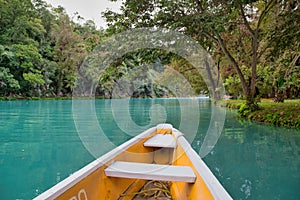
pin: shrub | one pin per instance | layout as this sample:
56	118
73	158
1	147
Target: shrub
244	110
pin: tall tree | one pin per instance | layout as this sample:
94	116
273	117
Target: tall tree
215	24
8	83
41	48
284	52
69	53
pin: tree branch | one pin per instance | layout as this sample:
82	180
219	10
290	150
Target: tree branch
293	63
260	53
233	61
186	70
245	20
264	13
210	36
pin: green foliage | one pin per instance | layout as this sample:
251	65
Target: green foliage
41	48
285	114
191	74
137	70
244	110
7	82
233	86
34	78
242	34
27	55
69	53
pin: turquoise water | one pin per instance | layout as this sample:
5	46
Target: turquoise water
40	145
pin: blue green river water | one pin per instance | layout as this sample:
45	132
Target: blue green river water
40	145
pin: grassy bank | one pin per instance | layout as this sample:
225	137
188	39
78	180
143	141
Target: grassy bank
285	114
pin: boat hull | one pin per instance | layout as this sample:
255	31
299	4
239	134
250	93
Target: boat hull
91	182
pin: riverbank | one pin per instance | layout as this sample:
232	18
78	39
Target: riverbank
285	114
13	98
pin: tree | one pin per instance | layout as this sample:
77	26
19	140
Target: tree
27	68
22	32
91	36
191	74
284	52
235	27
41	48
69	53
21	67
7	82
135	70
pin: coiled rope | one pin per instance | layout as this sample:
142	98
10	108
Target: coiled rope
153	189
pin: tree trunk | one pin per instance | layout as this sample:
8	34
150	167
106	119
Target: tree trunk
251	98
59	84
214	92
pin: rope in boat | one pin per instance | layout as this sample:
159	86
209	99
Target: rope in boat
156	191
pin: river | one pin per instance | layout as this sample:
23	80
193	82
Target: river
43	142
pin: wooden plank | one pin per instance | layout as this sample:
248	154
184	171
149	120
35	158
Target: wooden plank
151	172
161	140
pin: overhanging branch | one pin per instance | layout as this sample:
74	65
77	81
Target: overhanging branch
245	20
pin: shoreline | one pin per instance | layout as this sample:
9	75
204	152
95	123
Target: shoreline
44	98
85	98
285	114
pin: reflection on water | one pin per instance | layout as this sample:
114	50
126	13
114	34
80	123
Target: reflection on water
257	161
40	146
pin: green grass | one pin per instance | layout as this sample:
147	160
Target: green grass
285	114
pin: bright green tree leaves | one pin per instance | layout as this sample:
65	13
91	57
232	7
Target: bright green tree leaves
41	49
7	82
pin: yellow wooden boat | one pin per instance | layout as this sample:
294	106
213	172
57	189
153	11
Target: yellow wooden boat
161	154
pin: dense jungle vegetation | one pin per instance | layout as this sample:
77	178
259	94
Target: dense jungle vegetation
255	44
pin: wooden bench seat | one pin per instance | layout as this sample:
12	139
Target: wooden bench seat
151	172
161	140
